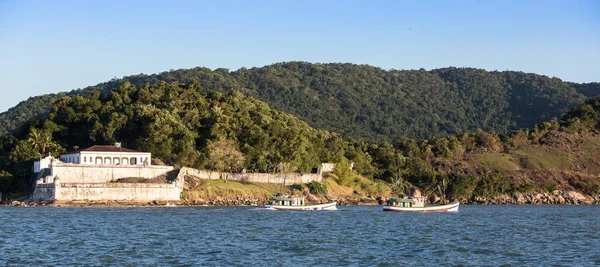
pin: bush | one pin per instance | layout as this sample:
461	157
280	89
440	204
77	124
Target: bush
549	186
492	185
317	188
461	186
525	188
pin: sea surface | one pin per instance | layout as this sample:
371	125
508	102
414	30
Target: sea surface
250	236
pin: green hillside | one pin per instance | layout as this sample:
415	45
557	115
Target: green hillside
186	125
362	101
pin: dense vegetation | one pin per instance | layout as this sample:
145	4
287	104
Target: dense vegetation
227	131
362	101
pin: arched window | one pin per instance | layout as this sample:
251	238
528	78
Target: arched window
125	161
133	161
107	160
116	161
98	160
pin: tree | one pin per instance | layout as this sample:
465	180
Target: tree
285	170
41	141
399	184
342	173
224	156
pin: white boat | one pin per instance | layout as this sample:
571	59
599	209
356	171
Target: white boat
296	203
417	204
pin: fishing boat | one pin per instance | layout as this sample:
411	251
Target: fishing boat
417	204
296	203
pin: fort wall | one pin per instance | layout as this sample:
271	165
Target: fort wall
56	190
287	179
134	192
77	173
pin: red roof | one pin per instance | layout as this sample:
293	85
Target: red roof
103	148
99	148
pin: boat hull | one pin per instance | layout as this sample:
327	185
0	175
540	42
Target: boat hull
438	208
326	206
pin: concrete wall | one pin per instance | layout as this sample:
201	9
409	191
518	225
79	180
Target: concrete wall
289	179
133	192
74	173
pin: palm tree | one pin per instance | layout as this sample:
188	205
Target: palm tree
41	140
399	184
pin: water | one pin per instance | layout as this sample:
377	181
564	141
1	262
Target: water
351	236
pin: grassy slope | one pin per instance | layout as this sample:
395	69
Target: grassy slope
542	164
212	189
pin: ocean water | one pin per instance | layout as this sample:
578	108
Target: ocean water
250	236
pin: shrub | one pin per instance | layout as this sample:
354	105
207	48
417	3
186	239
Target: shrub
525	188
492	185
317	188
461	186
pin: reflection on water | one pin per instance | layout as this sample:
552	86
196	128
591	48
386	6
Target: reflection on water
477	235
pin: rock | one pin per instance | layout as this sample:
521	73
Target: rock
415	192
368	200
312	198
434	199
518	197
575	195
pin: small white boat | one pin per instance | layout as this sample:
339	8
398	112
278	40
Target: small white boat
296	203
417	204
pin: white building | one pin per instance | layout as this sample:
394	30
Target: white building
43	163
107	155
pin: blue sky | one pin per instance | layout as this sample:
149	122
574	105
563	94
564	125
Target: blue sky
53	46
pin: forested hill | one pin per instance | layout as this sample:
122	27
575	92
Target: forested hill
369	102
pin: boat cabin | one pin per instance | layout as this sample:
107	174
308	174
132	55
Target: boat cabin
287	200
406	202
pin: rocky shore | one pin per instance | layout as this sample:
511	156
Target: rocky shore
556	197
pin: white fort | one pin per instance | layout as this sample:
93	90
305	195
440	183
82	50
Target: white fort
94	173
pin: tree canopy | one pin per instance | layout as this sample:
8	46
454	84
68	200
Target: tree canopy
367	102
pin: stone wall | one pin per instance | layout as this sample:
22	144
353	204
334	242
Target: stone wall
74	173
289	179
132	192
43	191
88	187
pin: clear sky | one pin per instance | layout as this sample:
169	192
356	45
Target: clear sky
53	46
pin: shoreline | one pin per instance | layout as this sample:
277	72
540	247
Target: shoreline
202	204
142	205
555	197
